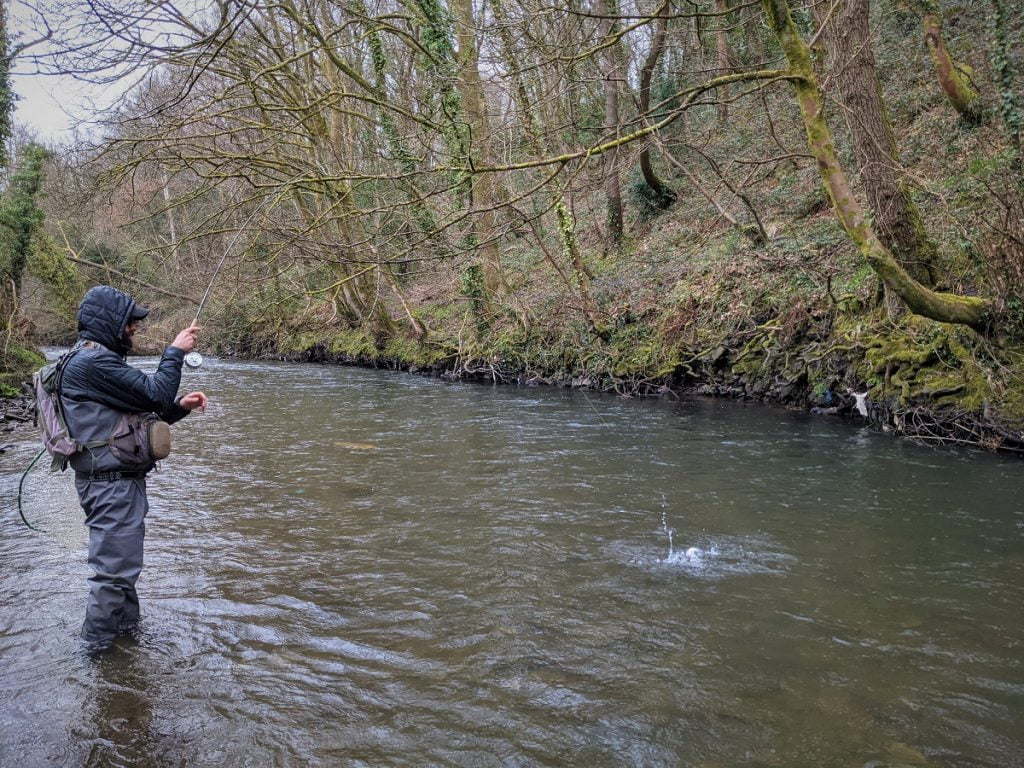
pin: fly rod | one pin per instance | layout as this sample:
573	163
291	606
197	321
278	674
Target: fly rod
194	359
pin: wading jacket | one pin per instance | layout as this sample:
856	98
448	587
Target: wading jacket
98	385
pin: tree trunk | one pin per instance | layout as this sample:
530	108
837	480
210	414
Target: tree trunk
538	143
953	77
613	75
172	230
663	195
724	67
944	307
483	195
895	215
396	143
359	294
440	61
1003	66
6	93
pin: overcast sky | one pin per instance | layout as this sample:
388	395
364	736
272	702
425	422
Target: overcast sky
48	105
37	105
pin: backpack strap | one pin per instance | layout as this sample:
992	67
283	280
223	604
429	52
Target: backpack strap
58	462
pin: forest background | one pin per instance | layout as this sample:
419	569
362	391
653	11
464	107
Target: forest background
790	201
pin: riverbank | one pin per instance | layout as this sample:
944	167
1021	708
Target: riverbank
911	377
903	375
798	320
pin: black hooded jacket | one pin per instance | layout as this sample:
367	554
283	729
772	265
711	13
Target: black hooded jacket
98	385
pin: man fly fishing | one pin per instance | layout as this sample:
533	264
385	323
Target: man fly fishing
119	416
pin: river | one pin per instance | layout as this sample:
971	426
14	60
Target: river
348	567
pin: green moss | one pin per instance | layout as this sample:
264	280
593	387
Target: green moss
10	385
351	343
18	366
922	362
411	352
297	343
339	343
24	358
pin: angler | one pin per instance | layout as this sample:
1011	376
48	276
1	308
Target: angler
111	409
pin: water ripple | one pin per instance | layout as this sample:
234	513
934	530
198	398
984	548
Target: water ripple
383	569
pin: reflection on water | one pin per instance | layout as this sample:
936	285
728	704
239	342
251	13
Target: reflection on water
349	567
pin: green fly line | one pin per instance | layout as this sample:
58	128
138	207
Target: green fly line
21	486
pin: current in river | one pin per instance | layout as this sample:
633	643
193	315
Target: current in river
348	567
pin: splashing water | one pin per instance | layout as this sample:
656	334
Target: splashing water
691	556
665	528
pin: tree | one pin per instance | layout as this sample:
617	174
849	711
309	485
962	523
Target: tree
954	77
971	311
1002	63
722	48
893	211
21	222
613	76
663	194
6	94
483	196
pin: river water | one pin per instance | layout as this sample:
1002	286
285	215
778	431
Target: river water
348	567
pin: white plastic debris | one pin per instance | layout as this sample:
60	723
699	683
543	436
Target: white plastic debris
861	402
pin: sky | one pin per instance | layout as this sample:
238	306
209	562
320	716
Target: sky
47	105
38	106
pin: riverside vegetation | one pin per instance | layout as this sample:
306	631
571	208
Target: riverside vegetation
787	201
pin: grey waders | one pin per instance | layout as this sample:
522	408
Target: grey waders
115	512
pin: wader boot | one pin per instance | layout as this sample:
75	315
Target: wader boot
115	512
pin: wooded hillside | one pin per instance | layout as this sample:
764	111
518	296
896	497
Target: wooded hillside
785	200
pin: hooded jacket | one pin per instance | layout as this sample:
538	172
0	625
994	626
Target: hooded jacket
97	385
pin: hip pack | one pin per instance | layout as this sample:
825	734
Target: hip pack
140	438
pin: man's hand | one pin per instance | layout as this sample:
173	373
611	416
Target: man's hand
186	340
193	400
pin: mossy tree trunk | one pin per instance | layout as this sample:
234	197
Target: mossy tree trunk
396	143
484	197
953	77
435	34
944	307
852	64
1005	72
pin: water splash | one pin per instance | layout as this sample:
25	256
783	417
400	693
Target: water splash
691	556
714	557
665	528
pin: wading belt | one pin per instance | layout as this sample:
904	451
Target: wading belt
106	476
